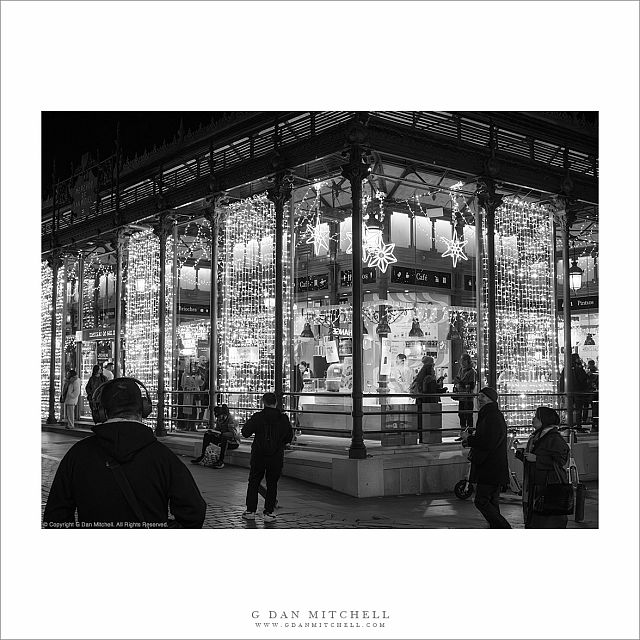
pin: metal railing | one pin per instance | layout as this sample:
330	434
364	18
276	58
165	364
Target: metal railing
182	416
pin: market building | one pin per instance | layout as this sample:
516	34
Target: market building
354	243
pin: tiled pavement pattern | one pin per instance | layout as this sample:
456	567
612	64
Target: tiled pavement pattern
303	505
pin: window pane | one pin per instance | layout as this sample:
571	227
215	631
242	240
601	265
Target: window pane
400	229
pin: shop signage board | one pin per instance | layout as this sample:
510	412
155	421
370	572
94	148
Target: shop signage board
98	333
580	303
403	275
312	283
368	276
191	309
420	277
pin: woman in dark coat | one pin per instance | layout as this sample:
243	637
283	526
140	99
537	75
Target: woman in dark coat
97	379
425	383
545	455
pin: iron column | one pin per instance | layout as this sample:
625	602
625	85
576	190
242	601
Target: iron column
162	229
355	171
279	193
54	263
489	200
119	242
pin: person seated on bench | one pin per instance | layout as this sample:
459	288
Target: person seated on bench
225	435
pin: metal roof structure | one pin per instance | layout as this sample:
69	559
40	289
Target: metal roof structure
533	155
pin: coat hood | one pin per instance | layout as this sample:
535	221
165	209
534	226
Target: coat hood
124	438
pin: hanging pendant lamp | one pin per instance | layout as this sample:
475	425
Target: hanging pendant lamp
416	331
383	328
453	333
306	331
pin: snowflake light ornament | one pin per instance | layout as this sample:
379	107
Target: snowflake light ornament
317	236
382	256
455	249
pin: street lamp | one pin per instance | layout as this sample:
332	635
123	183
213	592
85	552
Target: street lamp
575	275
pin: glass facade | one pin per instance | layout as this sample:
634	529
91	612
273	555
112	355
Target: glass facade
424	295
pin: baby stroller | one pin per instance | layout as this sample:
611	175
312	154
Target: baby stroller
464	489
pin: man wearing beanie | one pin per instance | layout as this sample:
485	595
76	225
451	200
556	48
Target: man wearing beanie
488	455
122	477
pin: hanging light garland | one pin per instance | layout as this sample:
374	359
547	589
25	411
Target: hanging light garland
46	309
247	329
526	344
142	318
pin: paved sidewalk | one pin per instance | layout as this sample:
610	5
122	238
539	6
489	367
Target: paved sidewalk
303	505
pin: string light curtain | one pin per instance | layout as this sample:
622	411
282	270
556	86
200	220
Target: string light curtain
142	331
46	309
526	345
247	332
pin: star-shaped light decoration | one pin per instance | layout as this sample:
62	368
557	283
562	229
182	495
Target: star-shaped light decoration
455	249
349	236
382	256
317	236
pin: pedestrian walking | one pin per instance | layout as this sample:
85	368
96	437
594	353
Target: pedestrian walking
272	431
488	456
122	477
69	398
465	382
97	378
545	459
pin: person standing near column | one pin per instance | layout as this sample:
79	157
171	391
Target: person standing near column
488	456
70	395
465	382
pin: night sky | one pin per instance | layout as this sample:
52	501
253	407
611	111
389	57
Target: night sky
66	135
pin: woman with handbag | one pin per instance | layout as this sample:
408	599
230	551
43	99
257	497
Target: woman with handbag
546	488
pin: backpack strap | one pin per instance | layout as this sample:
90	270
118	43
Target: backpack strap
125	487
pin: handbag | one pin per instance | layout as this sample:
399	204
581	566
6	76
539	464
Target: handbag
555	499
211	455
455	390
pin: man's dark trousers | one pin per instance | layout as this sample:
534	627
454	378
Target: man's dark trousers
487	503
261	466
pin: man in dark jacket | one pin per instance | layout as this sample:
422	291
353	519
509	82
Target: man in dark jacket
489	466
123	457
271	431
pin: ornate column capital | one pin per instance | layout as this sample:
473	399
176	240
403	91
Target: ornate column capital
563	212
357	168
487	196
54	260
163	227
280	190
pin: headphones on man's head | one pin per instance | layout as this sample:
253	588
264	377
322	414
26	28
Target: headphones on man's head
100	413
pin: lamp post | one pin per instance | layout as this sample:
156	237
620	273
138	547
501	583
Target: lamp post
565	218
489	200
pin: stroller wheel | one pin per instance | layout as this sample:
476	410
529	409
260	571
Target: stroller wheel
463	490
